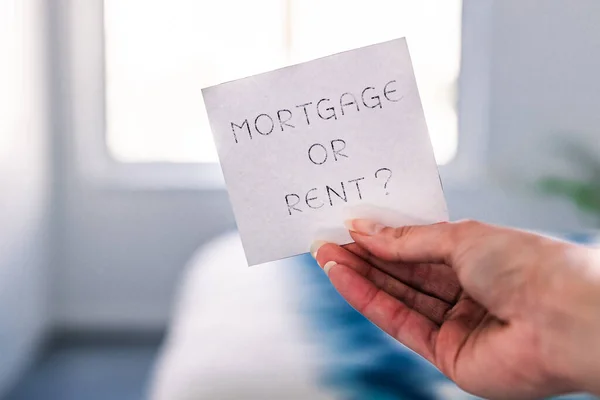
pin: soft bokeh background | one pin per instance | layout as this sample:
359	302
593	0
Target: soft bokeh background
108	178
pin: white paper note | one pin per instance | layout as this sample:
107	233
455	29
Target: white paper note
306	147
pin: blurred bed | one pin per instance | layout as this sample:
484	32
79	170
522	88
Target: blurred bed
279	331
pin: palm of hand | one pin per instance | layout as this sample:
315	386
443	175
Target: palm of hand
424	306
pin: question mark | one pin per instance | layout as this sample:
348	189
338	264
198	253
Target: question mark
388	178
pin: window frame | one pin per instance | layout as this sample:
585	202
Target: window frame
80	44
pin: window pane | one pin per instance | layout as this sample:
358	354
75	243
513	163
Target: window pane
161	53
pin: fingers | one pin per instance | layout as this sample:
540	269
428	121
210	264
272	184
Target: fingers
437	243
436	280
391	315
431	307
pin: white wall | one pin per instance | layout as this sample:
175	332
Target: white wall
122	250
545	82
23	190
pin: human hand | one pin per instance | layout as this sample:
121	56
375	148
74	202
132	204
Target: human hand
503	313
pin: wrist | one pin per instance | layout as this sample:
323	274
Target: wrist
571	317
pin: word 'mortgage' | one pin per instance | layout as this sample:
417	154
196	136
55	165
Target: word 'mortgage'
324	109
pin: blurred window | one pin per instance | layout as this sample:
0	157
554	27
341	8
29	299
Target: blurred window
160	54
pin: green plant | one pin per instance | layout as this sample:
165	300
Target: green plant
583	192
585	195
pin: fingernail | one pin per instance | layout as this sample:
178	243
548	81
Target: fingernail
364	226
327	267
315	246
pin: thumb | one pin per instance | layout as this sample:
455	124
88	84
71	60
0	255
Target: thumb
435	243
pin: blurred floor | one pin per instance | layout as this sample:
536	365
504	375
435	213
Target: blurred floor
97	367
101	367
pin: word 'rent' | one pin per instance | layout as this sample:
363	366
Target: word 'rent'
324	109
332	195
315	200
